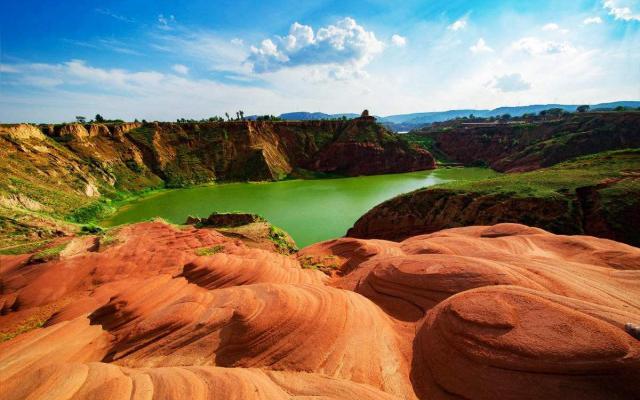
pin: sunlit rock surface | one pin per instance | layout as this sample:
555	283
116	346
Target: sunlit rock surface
154	311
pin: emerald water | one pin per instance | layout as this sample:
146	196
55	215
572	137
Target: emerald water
310	210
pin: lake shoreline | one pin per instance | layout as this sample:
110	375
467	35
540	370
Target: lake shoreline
345	199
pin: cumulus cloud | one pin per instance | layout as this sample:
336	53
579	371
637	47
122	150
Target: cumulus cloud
458	25
592	21
480	47
181	69
345	44
510	83
398	41
621	10
536	46
165	23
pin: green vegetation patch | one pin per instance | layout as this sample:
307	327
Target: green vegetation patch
325	264
559	180
23	248
108	239
281	240
29	325
49	254
209	251
426	142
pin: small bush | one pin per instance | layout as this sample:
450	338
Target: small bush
91	229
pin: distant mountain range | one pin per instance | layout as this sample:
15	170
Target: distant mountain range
407	121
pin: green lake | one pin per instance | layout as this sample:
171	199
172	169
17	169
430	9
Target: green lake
310	210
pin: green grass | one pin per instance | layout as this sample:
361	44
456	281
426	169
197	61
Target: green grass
108	239
23	248
29	325
209	251
325	264
281	240
428	143
560	179
48	254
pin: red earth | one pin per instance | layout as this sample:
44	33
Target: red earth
484	312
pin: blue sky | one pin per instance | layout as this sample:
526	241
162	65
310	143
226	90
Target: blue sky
161	60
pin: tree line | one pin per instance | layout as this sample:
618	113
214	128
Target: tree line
239	116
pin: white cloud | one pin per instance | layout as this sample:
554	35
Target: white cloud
42	81
511	83
106	44
553	27
398	41
165	23
215	52
118	47
300	36
8	69
181	69
480	47
621	10
77	87
592	21
345	44
536	46
106	11
459	24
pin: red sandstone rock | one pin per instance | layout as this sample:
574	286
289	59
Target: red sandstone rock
487	312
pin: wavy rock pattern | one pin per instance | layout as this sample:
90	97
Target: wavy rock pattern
507	312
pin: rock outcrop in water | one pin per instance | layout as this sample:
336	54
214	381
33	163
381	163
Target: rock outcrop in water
251	229
507	312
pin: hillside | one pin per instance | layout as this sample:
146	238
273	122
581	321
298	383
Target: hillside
74	172
596	195
529	144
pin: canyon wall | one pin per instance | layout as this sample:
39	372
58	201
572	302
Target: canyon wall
191	153
529	145
597	195
75	172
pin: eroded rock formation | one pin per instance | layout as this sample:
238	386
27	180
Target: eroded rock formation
484	312
598	195
530	145
74	171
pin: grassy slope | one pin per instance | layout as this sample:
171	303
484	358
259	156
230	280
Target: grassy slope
614	175
565	177
597	194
